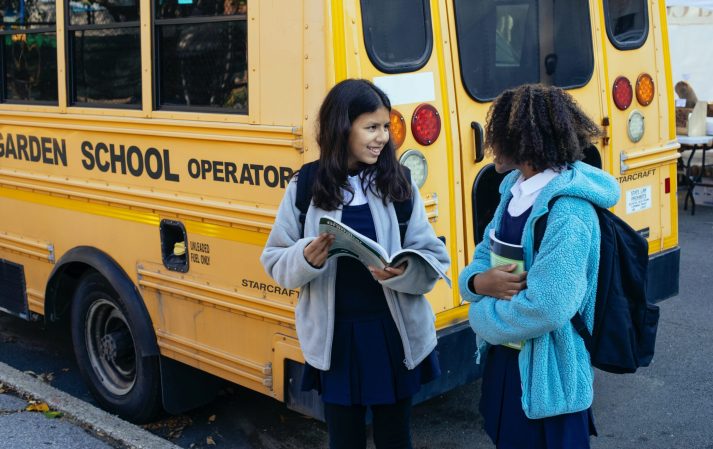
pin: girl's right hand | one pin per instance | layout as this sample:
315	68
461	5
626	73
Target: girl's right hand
499	282
317	251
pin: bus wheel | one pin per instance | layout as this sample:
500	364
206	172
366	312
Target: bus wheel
120	379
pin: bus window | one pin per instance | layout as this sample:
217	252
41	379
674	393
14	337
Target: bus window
397	34
29	52
503	44
627	23
201	55
104	53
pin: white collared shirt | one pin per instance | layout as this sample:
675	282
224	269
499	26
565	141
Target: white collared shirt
525	191
359	196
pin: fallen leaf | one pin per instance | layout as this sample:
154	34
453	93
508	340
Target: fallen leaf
210	441
37	407
46	377
53	415
211	418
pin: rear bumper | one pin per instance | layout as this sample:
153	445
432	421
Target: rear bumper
663	275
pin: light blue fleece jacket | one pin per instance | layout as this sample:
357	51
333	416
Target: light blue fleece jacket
555	369
283	259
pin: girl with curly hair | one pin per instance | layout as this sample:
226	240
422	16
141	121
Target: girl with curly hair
537	388
368	336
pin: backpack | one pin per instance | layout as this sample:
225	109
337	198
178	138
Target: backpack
305	179
624	333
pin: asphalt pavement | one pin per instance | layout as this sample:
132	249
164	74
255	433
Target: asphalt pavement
664	406
20	428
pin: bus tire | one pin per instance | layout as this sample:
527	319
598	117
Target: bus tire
123	382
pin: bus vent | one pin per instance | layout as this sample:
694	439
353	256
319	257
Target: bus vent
13	293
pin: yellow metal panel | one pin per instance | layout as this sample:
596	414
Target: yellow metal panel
146	78
450	133
281	58
61	60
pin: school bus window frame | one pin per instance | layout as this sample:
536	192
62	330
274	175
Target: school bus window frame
156	69
467	87
3	81
405	66
624	46
69	29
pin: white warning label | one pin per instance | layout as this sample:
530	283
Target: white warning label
638	199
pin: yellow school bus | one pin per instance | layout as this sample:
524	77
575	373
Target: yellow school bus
145	147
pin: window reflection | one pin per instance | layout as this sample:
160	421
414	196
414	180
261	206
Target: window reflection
105	52
171	9
397	33
202	63
102	12
506	43
107	66
29	50
27	14
30	66
627	21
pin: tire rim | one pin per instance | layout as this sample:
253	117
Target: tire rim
110	347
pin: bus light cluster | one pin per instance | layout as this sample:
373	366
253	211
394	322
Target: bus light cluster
425	127
623	95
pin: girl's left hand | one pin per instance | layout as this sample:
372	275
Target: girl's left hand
388	272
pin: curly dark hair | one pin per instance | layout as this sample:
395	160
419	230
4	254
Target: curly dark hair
538	125
343	104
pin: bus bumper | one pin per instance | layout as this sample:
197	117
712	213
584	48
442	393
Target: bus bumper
663	275
456	354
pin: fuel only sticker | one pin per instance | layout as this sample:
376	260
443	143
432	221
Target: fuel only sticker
638	199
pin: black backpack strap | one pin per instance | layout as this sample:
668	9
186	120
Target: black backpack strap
577	320
541	225
404	209
305	179
581	328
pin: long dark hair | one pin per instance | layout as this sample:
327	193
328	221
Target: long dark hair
343	104
540	125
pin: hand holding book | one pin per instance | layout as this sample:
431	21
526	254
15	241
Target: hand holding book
507	275
348	242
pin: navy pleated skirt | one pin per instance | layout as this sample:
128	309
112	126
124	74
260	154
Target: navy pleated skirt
367	352
505	421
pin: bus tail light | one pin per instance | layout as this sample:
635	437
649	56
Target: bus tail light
415	161
425	124
644	89
635	126
622	93
667	185
397	128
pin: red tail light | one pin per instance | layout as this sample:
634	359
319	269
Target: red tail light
622	92
667	185
425	124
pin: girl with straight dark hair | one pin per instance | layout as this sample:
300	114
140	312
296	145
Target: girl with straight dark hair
367	335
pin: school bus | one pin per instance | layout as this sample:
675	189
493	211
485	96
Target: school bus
145	147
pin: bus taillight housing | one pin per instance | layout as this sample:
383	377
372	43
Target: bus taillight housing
622	92
397	128
425	124
644	89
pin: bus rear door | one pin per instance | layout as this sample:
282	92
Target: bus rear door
498	45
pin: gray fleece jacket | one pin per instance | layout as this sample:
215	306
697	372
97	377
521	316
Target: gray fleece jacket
284	261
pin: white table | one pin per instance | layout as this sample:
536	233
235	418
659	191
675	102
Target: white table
693	144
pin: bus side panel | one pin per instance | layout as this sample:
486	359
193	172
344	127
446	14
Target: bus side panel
111	191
